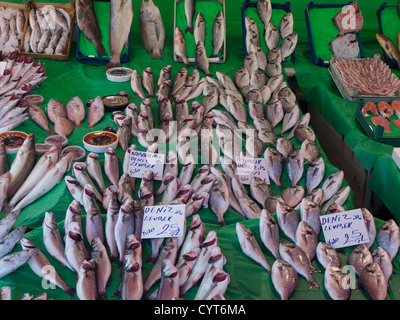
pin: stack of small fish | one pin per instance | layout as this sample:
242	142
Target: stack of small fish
272	34
294	256
21	75
48	30
12	21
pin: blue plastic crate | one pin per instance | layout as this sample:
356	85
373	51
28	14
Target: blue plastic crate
275	6
318	60
391	62
98	60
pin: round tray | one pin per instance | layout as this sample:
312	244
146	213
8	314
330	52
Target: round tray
79	152
54	139
13	140
119	74
100	141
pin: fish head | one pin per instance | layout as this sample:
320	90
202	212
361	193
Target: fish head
27	244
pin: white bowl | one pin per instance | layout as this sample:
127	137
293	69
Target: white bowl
119	74
62	139
100	141
75	158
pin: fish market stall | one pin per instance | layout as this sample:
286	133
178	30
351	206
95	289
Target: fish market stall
75	203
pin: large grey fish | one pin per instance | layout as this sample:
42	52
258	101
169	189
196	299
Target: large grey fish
339	198
152	29
10	240
286	25
310	212
360	257
218	34
388	238
272	36
288	219
327	255
94	169
294	255
13	261
88	25
275	166
190	9
180	46
121	14
370	225
307	240
373	281
264	10
52	240
295	167
75	249
290	118
315	174
123	227
42	267
380	256
201	59
200	28
250	209
249	245
73	214
169	285
332	185
194	236
259	190
284	278
94	223
219	201
103	266
335	281
86	288
242	77
269	232
293	195
111	166
288	45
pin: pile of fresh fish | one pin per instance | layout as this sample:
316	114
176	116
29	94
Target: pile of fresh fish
367	77
48	30
12	22
21	75
152	29
345	45
293	258
65	117
272	34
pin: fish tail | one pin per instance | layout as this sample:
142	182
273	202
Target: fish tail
78	125
113	63
214	55
157	55
102	296
312	284
7	209
189	29
100	50
71	292
314	269
222	222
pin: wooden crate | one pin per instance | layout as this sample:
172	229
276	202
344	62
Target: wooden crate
70	8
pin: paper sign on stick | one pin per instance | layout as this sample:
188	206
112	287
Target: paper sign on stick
252	167
344	229
163	221
140	162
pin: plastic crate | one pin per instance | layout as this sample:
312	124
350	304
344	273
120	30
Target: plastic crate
375	133
391	62
275	6
98	60
318	60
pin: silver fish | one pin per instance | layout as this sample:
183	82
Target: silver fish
250	209
275	166
273	69
272	36
335	281
295	167
123	227
286	25
332	185
380	256
290	119
10	240
169	285
293	195
13	261
284	277
373	281
388	237
242	78
94	223
269	232
307	240
327	255
103	266
295	256
250	246
41	266
86	288
288	45
264	10
201	59
315	174
303	133
148	81
370	225
4	183
75	111
200	29
74	188
259	190
75	250
310	150
73	214
136	85
218	34
180	47
190	9
310	213
219	200
285	147
303	121
94	169
274	112
186	263
111	166
339	198
131	282
288	220
215	284
360	257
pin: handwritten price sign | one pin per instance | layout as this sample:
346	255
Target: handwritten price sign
140	162
252	167
344	229
163	221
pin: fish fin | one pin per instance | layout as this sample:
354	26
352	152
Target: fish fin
314	269
103	296
100	50
189	29
222	222
312	284
214	55
71	292
113	64
157	55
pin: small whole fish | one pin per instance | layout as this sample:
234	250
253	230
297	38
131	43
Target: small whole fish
219	200
286	25
338	198
310	212
373	281
259	190
288	45
79	171
295	256
295	167
309	150
293	195
218	34
123	227
111	220
56	109
8	243
136	85
180	47
73	214
152	29
332	185
148	81
103	266
269	232
93	167
194	236
335	281
4	184
327	255
13	261
284	277
275	165
307	240
75	250
315	174
75	111
200	29
288	219
94	224
169	285
96	112
249	245
86	288
190	9
388	238
121	15
201	59
359	258
38	115
111	166
370	225
74	188
380	256
264	10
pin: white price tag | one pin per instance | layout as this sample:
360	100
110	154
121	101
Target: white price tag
252	167
140	162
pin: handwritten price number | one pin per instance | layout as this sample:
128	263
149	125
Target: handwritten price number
355	236
352	217
171	229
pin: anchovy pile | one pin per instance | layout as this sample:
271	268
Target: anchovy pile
12	22
21	75
48	30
